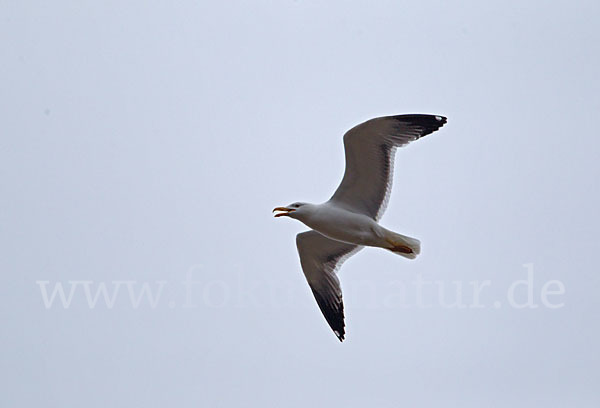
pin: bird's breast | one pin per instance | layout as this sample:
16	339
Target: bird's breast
343	225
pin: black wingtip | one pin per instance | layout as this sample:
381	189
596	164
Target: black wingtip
334	316
428	123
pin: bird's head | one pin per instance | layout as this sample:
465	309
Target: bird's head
295	210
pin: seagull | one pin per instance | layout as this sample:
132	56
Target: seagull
348	222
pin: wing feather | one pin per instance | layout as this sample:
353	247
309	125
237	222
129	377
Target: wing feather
321	258
370	149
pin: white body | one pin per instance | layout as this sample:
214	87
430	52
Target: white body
350	227
342	225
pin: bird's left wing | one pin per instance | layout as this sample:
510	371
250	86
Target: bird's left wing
320	258
370	149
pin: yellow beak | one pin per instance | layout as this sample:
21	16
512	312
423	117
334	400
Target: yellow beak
285	211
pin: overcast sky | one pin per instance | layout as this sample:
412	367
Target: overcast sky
146	142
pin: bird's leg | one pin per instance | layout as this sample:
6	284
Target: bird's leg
399	247
402	249
402	245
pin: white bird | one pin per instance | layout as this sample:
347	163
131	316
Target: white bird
347	222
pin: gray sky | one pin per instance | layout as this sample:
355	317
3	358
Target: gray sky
146	142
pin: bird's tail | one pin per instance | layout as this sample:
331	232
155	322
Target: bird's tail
402	245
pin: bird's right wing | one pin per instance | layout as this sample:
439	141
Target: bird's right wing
370	149
320	258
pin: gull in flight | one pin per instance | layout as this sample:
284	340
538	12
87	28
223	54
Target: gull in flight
347	222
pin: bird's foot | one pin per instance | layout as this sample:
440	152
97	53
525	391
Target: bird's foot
402	249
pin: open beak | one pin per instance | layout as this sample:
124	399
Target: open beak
285	212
